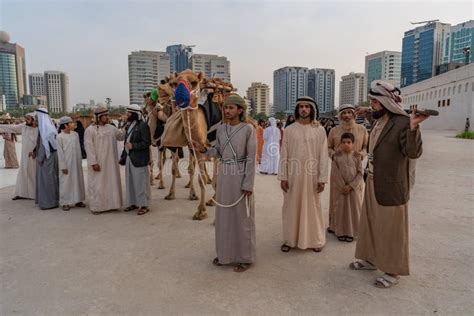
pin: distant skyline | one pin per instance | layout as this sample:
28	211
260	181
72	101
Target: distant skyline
90	40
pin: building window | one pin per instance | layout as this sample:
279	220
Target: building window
448	102
436	93
444	102
444	92
459	89
431	95
439	103
467	85
449	91
472	86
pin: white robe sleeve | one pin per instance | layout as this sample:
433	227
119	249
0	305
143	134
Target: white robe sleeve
61	154
120	134
215	151
249	177
323	158
89	145
283	166
12	128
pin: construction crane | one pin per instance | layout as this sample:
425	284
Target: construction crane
424	22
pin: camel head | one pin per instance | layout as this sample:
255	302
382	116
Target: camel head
188	88
166	96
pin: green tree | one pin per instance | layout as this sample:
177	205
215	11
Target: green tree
21	111
280	115
118	110
108	101
84	112
261	116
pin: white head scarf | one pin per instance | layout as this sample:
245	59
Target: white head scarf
388	95
47	130
135	108
273	122
65	120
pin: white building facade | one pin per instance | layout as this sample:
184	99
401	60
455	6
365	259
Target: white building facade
37	86
145	70
450	93
211	65
352	89
57	91
259	96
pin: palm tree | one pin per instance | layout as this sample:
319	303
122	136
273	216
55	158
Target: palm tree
108	101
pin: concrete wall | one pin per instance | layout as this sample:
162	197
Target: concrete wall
455	88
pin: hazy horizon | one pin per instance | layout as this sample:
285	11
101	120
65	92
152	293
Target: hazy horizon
90	40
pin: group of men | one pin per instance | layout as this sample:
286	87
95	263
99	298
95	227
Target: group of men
374	211
381	202
51	162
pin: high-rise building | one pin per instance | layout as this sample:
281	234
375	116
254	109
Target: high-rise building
289	83
457	42
57	91
321	87
37	86
211	65
180	57
145	70
259	96
352	89
385	65
12	72
422	52
34	100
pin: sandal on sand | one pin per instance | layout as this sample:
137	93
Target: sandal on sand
362	265
386	281
285	248
349	239
317	249
130	208
341	238
216	262
329	230
241	267
143	210
66	207
80	204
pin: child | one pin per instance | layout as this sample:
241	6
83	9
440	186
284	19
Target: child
71	178
347	177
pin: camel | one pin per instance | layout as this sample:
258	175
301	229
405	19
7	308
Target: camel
190	125
193	124
157	113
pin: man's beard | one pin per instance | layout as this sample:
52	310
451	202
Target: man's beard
348	122
131	118
378	114
305	115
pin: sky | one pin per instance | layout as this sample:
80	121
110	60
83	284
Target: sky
90	40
